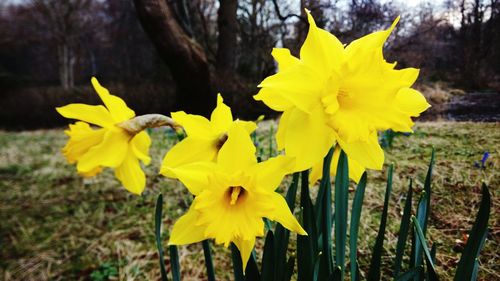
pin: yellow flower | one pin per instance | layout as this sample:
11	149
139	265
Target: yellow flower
109	145
340	95
204	137
233	195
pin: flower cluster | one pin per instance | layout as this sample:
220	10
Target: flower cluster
331	96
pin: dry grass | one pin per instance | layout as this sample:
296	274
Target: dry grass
56	226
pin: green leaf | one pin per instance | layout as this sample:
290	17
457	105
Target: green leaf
289	269
268	265
403	231
357	204
158	220
468	265
410	274
237	265
427	189
307	247
374	272
252	270
174	262
316	267
208	260
326	265
423	244
341	205
421	217
282	235
423	210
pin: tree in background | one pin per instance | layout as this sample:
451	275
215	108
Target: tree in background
199	47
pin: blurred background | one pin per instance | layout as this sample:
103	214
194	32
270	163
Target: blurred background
165	55
177	54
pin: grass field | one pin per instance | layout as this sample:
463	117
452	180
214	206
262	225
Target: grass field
56	226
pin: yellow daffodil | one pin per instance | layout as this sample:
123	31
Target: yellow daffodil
204	137
107	146
340	95
233	195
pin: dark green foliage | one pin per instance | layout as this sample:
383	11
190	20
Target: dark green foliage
208	260
431	271
105	272
468	264
423	211
158	220
252	270
353	232
282	235
341	204
326	264
374	272
174	262
237	265
410	274
268	265
403	232
307	246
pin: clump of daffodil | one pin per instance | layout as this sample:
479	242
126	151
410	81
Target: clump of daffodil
204	137
340	95
232	196
109	145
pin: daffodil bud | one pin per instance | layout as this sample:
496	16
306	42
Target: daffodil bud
139	123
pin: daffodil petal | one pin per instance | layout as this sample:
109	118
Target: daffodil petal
308	138
109	153
245	247
371	41
238	152
186	230
273	99
356	170
270	173
282	214
411	101
221	117
194	125
91	173
93	114
248	125
284	58
116	106
282	129
367	153
82	138
194	175
299	85
189	150
131	174
321	49
316	172
140	144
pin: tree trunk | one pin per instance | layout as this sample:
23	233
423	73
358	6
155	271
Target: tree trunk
185	58
62	53
226	50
